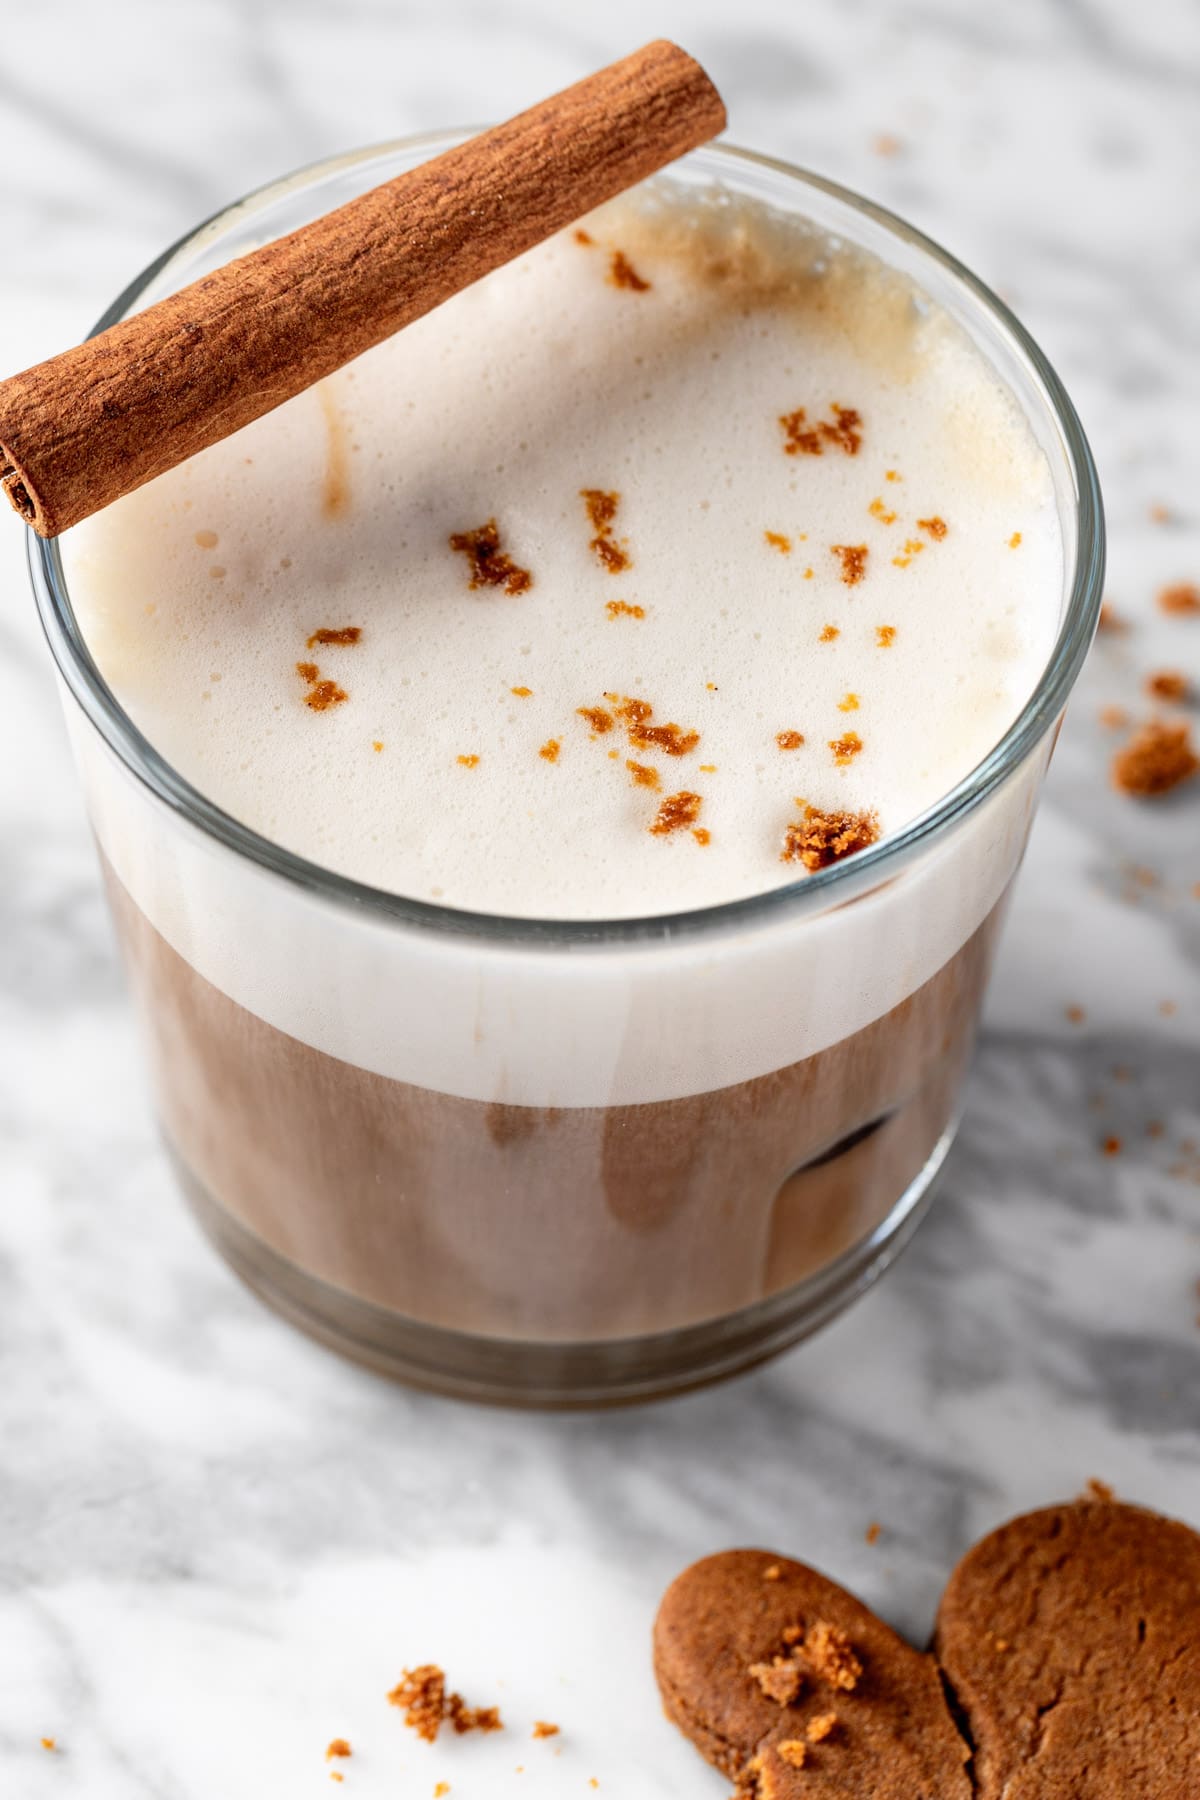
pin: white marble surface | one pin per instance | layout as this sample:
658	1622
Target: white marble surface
218	1545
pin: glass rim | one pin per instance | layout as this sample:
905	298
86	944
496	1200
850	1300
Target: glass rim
811	893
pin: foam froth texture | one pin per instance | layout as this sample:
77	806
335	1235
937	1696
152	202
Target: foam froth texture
879	577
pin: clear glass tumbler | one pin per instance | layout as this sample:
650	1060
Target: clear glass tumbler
566	1163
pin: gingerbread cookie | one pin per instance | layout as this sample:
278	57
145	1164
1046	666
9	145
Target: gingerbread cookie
1071	1641
791	1686
1066	1667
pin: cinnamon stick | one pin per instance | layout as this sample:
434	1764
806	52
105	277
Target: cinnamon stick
82	429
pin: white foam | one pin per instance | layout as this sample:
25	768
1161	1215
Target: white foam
541	381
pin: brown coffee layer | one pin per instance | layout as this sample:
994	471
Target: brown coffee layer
570	1224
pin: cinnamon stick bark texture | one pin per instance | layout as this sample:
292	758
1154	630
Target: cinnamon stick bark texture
79	431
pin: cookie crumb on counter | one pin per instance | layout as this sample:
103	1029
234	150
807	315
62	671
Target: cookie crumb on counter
1156	759
542	1728
337	1747
873	1532
1180	597
1167	684
427	1706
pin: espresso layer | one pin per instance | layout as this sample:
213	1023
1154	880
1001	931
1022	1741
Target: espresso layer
570	1223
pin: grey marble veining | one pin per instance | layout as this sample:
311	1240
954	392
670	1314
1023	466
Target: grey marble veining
219	1545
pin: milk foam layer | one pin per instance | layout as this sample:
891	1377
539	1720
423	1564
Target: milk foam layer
199	594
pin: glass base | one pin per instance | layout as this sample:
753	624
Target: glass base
604	1372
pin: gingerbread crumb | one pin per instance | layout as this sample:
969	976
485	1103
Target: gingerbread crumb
677	812
622	274
779	542
1114	718
1110	619
1158	758
780	1680
621	609
892	475
522	693
846	748
1168	684
842	433
472	1718
873	1532
1095	1489
335	634
470	761
793	1635
1075	1014
822	1727
49	1743
886	143
937	528
772	1572
337	1747
1182	597
581	236
702	835
885	635
602	511
322	694
879	511
377	744
670	738
828	633
490	565
848	703
831	1654
1014	542
789	740
599	720
336	1775
793	1752
853	558
549	750
542	1728
912	547
422	1694
441	1789
1159	514
826	837
643	775
1111	1146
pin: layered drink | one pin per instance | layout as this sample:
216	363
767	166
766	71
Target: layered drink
573	836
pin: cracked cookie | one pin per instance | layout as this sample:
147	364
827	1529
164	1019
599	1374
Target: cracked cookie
1066	1666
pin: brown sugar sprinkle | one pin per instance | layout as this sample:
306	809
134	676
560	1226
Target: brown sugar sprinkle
702	835
828	634
542	1728
337	1747
1095	1489
879	511
803	439
466	1718
621	609
322	694
422	1694
822	838
912	547
1114	718
602	510
823	1726
848	703
622	274
490	565
779	542
1167	684
1112	1146
550	749
772	1573
670	738
937	528
789	740
677	813
599	720
1158	758
644	775
885	636
853	558
846	748
780	1680
1183	597
522	693
468	762
873	1532
831	1654
793	1752
1110	619
335	634
1014	542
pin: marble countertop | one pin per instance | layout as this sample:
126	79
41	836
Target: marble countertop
218	1544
